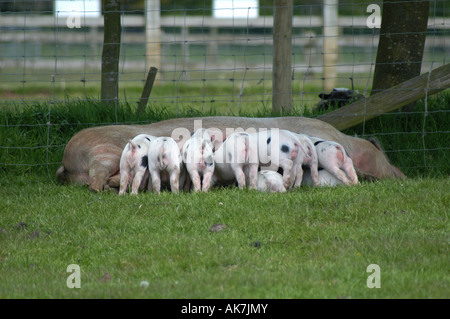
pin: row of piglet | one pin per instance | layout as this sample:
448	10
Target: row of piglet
251	160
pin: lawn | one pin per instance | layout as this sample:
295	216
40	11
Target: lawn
309	243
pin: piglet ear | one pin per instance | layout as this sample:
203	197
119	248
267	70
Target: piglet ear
132	144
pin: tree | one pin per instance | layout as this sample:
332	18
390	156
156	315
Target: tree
402	41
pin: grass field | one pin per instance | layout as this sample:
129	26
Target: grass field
309	243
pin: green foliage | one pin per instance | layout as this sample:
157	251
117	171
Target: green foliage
32	135
416	141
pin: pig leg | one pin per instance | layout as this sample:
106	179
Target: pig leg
287	165
297	175
155	181
339	174
350	171
138	176
252	173
175	180
124	180
104	162
314	169
206	184
114	181
98	174
240	175
196	181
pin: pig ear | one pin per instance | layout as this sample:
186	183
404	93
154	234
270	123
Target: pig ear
132	144
213	137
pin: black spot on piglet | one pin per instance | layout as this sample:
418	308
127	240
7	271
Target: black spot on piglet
285	148
144	161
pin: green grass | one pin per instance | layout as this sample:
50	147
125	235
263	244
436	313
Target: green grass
313	243
25	135
310	243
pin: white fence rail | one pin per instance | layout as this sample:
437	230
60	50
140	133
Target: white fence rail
186	31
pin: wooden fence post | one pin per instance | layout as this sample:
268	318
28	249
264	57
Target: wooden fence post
282	57
111	53
153	33
147	90
330	43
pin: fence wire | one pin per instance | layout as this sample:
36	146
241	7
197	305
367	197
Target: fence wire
210	59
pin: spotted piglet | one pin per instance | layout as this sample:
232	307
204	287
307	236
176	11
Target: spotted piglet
270	181
236	160
282	149
134	162
198	158
165	164
310	161
334	159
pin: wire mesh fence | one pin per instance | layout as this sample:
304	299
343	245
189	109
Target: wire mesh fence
212	56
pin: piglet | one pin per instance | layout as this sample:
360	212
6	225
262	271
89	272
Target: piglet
236	160
134	163
310	160
198	157
325	178
334	159
286	150
165	164
270	181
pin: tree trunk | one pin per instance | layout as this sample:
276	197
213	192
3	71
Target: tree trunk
402	42
111	52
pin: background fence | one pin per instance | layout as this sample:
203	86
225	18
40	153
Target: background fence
211	55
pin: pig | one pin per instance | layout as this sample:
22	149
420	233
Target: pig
235	161
334	159
134	163
289	151
165	163
311	160
325	178
270	181
198	157
91	157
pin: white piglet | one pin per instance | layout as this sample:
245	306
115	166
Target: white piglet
325	178
283	149
270	181
134	163
236	160
310	159
165	164
198	157
334	159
